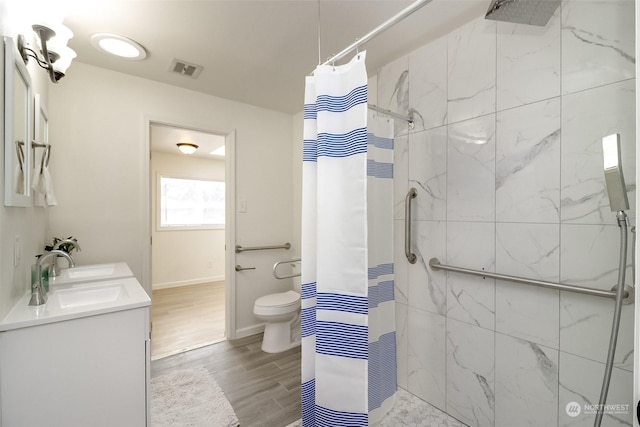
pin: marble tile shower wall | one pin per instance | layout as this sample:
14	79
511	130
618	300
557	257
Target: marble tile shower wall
506	158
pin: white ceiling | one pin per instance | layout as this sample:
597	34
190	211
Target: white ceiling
254	51
164	138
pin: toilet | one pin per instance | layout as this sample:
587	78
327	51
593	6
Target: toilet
281	316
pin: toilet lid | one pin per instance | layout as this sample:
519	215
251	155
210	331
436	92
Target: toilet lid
279	300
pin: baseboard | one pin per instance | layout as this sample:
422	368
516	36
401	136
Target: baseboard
167	285
249	330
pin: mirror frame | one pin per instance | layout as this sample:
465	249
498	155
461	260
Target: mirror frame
14	68
41	126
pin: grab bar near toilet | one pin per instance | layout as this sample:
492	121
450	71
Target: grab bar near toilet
288	276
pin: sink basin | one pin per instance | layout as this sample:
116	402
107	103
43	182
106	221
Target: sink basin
89	295
91	273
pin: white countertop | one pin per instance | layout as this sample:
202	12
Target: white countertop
67	302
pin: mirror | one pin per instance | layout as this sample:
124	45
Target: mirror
41	149
17	127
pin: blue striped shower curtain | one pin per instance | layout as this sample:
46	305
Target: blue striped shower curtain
348	319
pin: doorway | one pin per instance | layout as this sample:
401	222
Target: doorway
188	236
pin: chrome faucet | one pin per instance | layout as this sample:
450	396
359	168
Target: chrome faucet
53	271
38	293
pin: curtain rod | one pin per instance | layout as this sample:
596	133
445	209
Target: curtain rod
379	29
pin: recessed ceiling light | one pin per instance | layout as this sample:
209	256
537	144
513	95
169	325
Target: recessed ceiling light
118	45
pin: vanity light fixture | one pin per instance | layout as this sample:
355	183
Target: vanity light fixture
56	55
187	147
118	45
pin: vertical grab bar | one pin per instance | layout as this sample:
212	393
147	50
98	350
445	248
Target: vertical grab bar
411	257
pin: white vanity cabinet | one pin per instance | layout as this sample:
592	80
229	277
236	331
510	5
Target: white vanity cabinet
77	366
83	372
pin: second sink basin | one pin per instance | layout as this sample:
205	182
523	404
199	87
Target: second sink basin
92	273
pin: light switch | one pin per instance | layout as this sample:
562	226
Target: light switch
242	205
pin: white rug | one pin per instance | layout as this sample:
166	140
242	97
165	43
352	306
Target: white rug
189	398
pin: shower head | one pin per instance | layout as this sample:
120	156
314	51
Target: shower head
613	176
530	12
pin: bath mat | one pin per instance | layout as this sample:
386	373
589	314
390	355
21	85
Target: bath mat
189	398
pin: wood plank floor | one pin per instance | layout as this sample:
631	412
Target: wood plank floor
187	317
263	388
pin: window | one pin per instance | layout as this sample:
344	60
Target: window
186	203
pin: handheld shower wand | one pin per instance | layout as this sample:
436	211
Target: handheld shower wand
618	202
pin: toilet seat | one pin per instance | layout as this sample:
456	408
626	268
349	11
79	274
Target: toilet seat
276	304
278	300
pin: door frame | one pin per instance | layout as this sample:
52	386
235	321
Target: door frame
230	204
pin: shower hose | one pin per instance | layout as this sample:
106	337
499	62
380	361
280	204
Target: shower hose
620	291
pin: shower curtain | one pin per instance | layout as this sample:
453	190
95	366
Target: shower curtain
348	320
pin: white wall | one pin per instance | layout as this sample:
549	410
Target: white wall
98	121
27	224
185	257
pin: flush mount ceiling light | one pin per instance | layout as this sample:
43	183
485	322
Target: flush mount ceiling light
118	45
187	147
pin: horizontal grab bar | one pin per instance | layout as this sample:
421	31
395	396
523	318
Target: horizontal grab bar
261	248
434	263
275	266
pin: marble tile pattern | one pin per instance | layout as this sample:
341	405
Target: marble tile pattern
597	43
471	173
507	160
428	173
528	63
471	299
587	116
400	174
427	289
527	182
590	258
584	389
402	358
531	313
470	373
428	85
526	383
471	61
426	357
395	95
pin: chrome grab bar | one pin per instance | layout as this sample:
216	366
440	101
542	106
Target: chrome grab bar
434	263
261	248
240	268
275	267
411	257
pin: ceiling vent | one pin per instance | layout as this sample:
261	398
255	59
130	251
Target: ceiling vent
185	68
